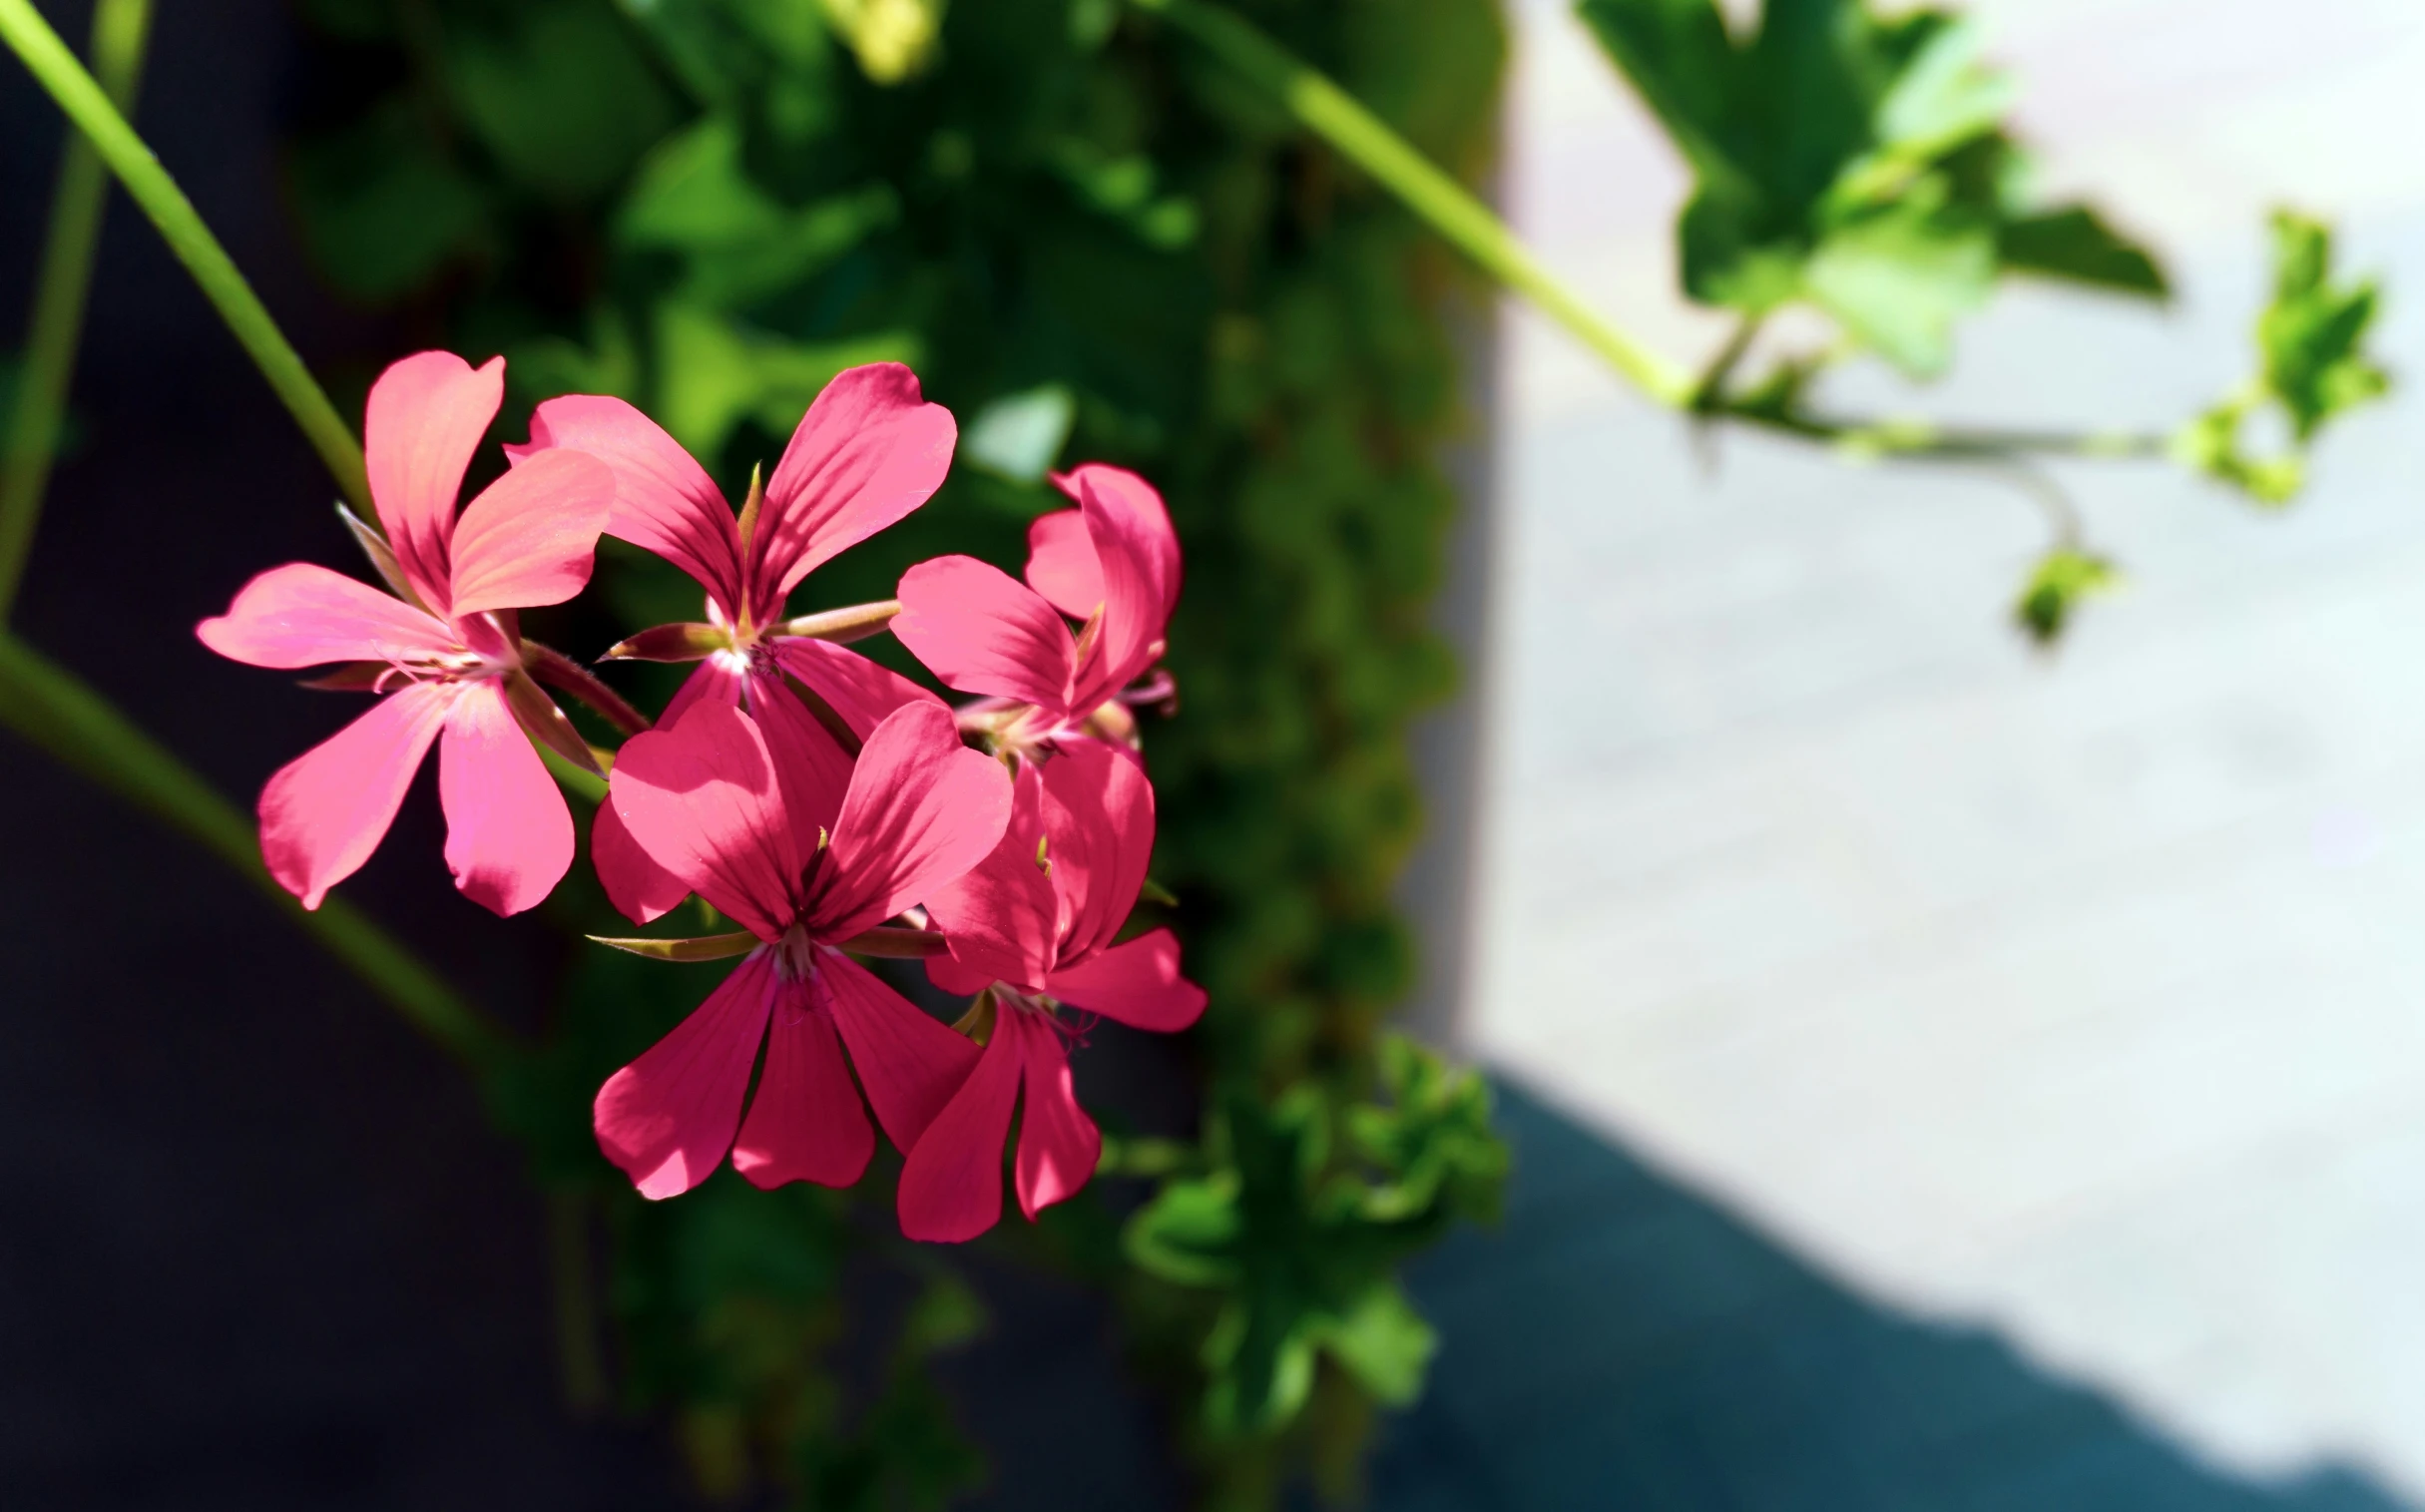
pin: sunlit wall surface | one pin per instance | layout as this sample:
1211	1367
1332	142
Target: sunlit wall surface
2085	996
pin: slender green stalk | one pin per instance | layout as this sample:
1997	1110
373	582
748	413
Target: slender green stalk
48	706
1333	114
120	29
88	108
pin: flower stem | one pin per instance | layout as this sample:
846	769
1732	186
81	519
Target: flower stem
50	707
88	108
1333	114
31	442
560	672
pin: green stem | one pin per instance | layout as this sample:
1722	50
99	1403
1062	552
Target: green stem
120	29
1925	440
1333	114
88	108
48	706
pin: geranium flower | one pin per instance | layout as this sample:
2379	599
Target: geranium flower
867	453
445	649
1036	923
1112	564
803	866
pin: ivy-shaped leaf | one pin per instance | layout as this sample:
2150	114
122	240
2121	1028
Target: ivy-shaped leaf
2312	368
1854	162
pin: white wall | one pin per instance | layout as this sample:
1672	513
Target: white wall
2083	996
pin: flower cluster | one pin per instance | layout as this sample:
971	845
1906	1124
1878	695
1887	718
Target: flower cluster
830	807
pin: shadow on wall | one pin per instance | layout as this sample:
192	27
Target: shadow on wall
1619	1343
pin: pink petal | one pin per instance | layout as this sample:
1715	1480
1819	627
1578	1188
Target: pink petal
951	1184
530	537
867	453
1098	814
1058	1146
808	761
426	416
669	1117
701	799
1002	919
664	501
640	889
982	630
909	1064
300	615
720	678
950	976
860	691
1138	552
922	809
805	1121
326	811
509	837
1061	563
1136	982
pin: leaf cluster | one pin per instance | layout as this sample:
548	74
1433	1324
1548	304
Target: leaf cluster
1300	1221
2312	368
1854	162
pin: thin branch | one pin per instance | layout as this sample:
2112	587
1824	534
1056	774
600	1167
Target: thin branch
32	39
1709	390
560	672
1928	441
49	706
120	30
1335	116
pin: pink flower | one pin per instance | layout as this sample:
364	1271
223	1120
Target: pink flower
1112	564
803	864
1036	921
447	643
867	453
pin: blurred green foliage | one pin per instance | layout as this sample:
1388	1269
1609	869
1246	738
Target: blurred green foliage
1091	244
1852	160
2063	579
2312	368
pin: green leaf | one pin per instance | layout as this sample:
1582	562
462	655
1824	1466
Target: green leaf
1851	160
1900	280
2063	580
1188	1233
737	244
714	373
1385	1343
2074	242
1679	57
558	93
2310	334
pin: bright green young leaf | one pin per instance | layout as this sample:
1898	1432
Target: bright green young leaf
1899	280
2062	581
2312	368
1383	1342
2310	334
